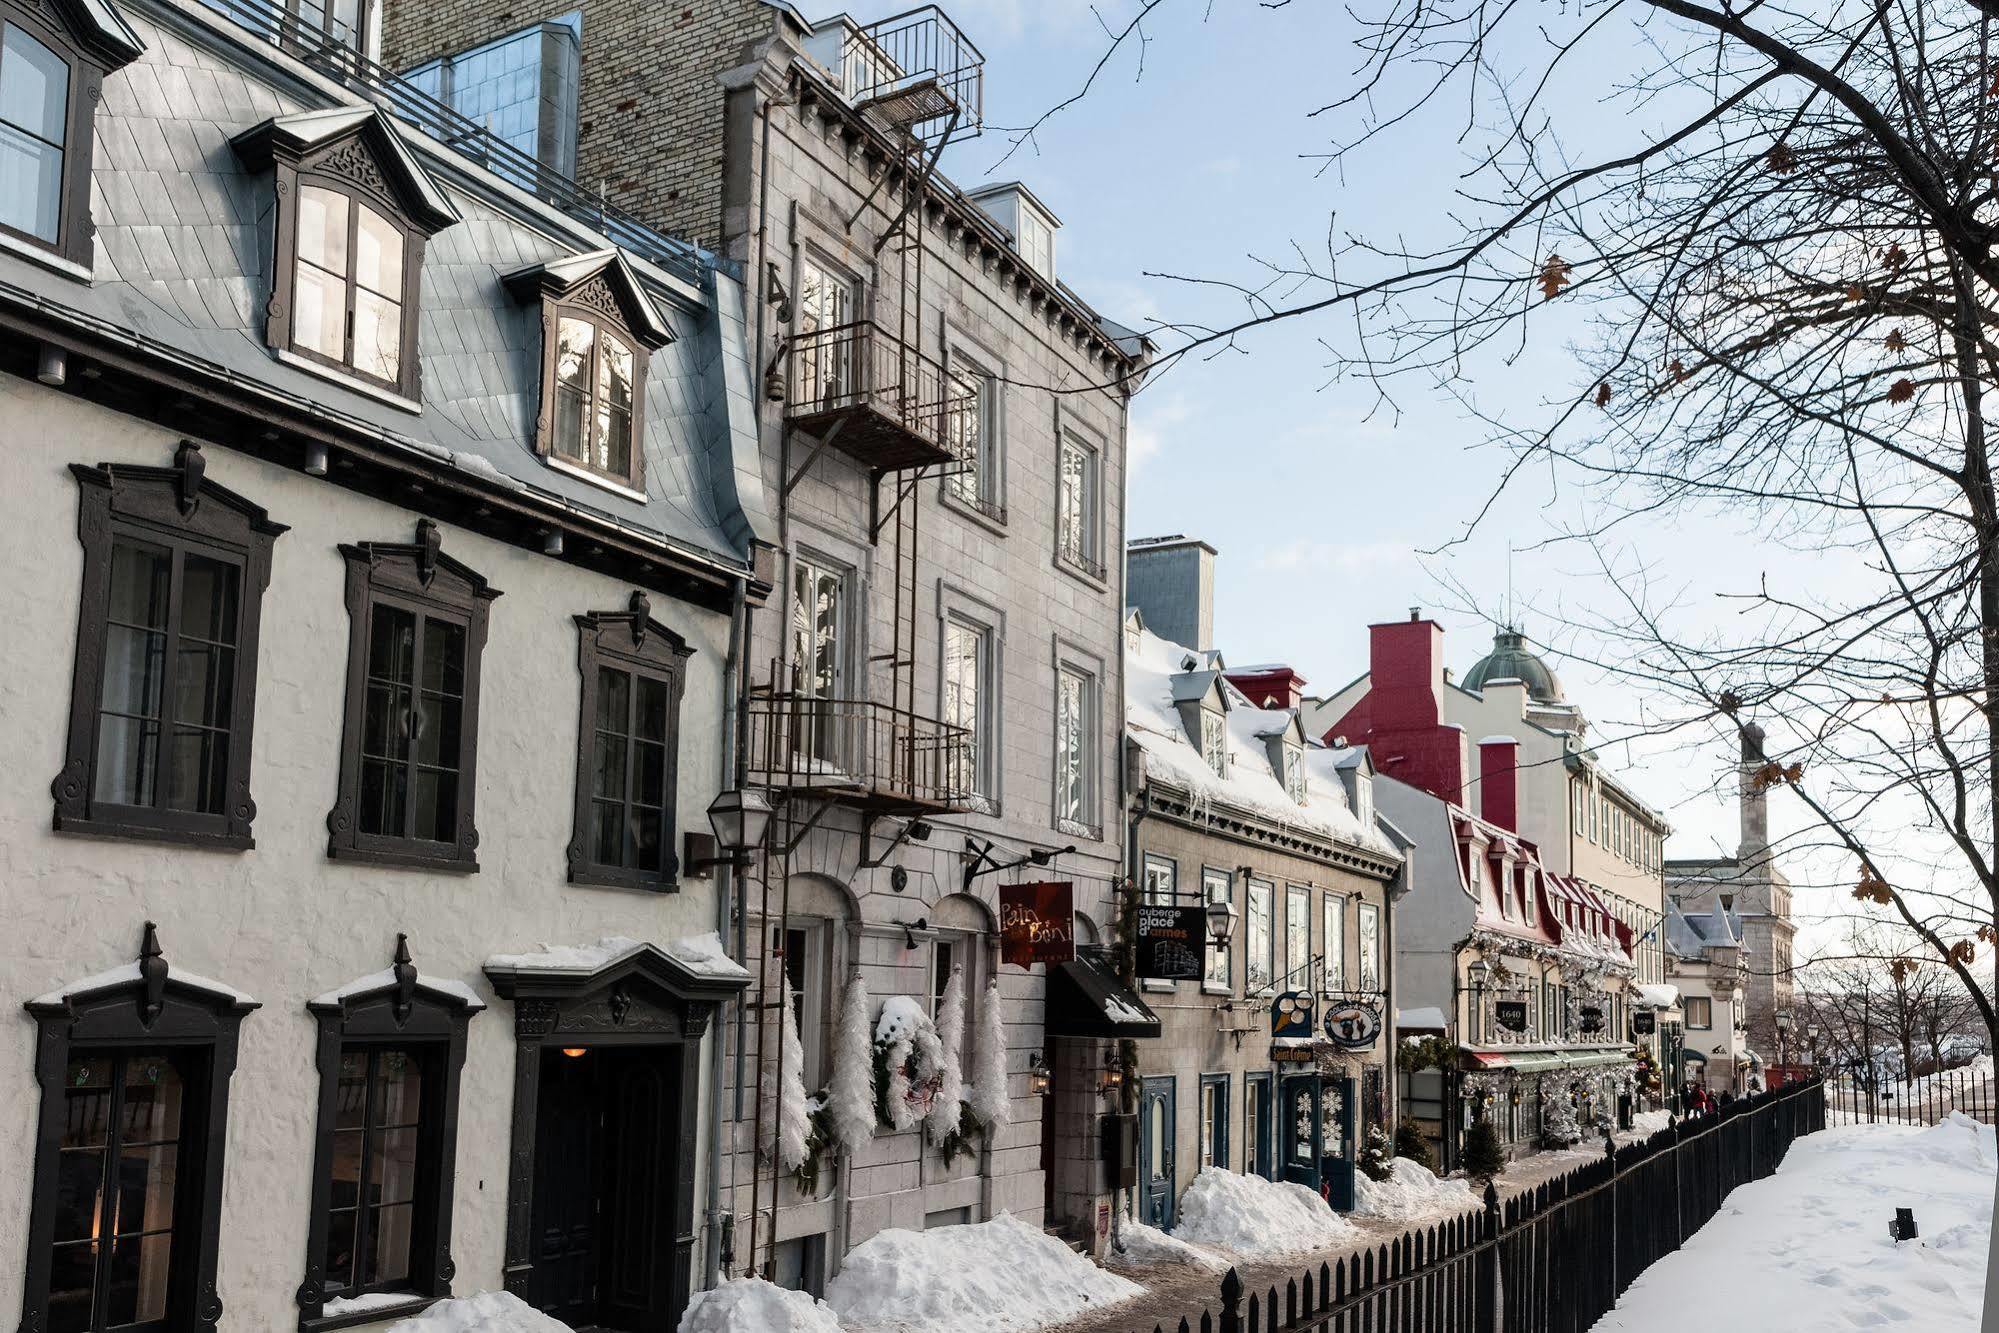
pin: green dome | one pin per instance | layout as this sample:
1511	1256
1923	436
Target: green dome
1512	659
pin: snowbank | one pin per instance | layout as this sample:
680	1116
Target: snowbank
1144	1246
751	1305
1002	1276
1410	1193
488	1312
1257	1218
1808	1248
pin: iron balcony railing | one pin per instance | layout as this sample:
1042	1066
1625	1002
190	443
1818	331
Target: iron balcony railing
276	22
858	750
916	68
898	411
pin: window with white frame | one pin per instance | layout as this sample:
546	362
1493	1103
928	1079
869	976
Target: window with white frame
967	703
1297	937
1214	742
1162	878
1078	541
1370	947
804	945
1530	905
1217	886
1505	886
1334	930
1036	243
972	424
1294	773
1363	793
1260	940
1075	747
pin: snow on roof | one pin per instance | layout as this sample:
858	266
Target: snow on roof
700	954
1499	740
374	981
1252	785
128	974
1654	996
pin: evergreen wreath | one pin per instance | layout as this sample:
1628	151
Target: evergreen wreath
908	1064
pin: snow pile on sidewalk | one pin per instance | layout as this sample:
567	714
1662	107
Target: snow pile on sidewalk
488	1312
1144	1246
1257	1218
1001	1276
1647	1123
1808	1248
1410	1193
751	1305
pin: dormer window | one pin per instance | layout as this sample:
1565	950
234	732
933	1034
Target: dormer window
1529	900
1294	773
50	77
354	210
599	329
1214	743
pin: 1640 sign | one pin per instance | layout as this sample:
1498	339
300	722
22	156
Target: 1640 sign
1172	942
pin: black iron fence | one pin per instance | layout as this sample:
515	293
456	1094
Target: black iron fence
1923	1100
1553	1259
859	749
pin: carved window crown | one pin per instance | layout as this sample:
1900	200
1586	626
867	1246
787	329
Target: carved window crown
598	330
627	755
354	210
408	751
163	695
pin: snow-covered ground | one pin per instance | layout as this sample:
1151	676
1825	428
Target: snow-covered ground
751	1305
1809	1248
488	1312
1000	1276
1257	1218
1412	1193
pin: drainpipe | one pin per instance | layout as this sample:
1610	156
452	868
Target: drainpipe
725	884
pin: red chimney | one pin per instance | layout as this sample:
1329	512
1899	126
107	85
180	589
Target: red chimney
1274	686
1499	782
1401	718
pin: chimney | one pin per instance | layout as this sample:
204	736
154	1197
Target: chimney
1755	800
1273	686
1499	782
1405	662
1171	582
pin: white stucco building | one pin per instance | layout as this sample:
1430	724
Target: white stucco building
317	424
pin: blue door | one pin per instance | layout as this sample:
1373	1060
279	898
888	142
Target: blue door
1256	1116
1336	1143
1155	1153
1298	1126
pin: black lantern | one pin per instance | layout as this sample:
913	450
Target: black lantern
1039	1077
1222	917
740	817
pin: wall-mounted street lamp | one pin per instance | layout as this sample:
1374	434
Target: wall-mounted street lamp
1039	1076
1113	1077
740	818
1222	917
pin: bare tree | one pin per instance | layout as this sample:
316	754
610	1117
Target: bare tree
1778	279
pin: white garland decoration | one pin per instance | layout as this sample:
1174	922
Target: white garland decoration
851	1095
946	1106
988	1100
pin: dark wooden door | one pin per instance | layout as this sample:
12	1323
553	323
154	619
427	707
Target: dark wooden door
640	1173
566	1171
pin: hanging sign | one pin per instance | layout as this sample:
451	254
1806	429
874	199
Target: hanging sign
1292	1055
1352	1026
1592	1018
1291	1015
1172	942
1511	1014
1037	923
1644	1023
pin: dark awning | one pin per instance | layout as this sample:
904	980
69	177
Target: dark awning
1086	999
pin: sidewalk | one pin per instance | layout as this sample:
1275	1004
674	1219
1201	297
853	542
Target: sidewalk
1174	1290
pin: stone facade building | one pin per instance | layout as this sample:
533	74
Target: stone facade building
1752	890
319	422
1275	1058
930	702
1556	790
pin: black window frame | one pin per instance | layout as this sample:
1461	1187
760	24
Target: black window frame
632	642
403	1012
415	577
147	1008
341	181
93	51
179	509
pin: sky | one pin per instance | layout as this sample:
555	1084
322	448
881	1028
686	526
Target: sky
1321	497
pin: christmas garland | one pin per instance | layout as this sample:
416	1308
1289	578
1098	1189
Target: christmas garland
817	1140
908	1064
